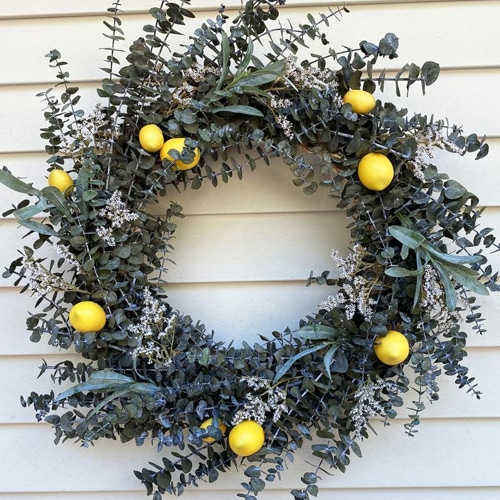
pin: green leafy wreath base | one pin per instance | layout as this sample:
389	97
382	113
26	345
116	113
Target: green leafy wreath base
415	265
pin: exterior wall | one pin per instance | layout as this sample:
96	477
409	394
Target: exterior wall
249	247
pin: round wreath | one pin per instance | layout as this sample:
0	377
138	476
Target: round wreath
150	372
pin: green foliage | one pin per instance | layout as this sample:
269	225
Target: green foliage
416	260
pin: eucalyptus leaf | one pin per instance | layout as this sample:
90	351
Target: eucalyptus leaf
430	72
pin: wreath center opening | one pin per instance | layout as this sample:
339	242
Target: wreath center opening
239	253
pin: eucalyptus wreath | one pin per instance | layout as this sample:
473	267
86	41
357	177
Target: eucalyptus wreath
241	91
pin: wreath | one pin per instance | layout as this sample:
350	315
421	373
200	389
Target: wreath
246	88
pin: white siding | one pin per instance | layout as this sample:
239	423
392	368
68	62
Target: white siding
271	237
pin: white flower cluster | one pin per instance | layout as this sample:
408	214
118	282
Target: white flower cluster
68	257
433	301
429	139
116	212
310	77
93	130
41	281
281	120
355	292
368	403
151	328
258	406
199	73
423	154
183	94
152	315
432	290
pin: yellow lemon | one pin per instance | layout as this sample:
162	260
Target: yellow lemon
361	101
375	171
246	438
61	180
87	316
151	138
208	422
392	348
178	144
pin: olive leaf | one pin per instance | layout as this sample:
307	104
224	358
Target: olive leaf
328	337
108	381
29	211
12	182
239	109
57	200
447	265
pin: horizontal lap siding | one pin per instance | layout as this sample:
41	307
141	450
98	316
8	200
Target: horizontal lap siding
391	460
249	247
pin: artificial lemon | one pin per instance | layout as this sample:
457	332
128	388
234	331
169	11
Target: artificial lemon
61	180
87	316
375	171
208	422
361	101
246	438
151	138
392	348
178	144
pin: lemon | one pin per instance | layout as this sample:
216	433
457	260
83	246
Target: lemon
361	101
246	438
375	171
178	144
151	138
87	316
208	422
392	348
61	180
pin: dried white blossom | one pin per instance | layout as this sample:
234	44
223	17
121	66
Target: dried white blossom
286	125
151	328
116	211
355	293
184	93
68	257
279	103
433	301
199	73
310	76
369	403
106	235
41	281
427	140
264	400
91	132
